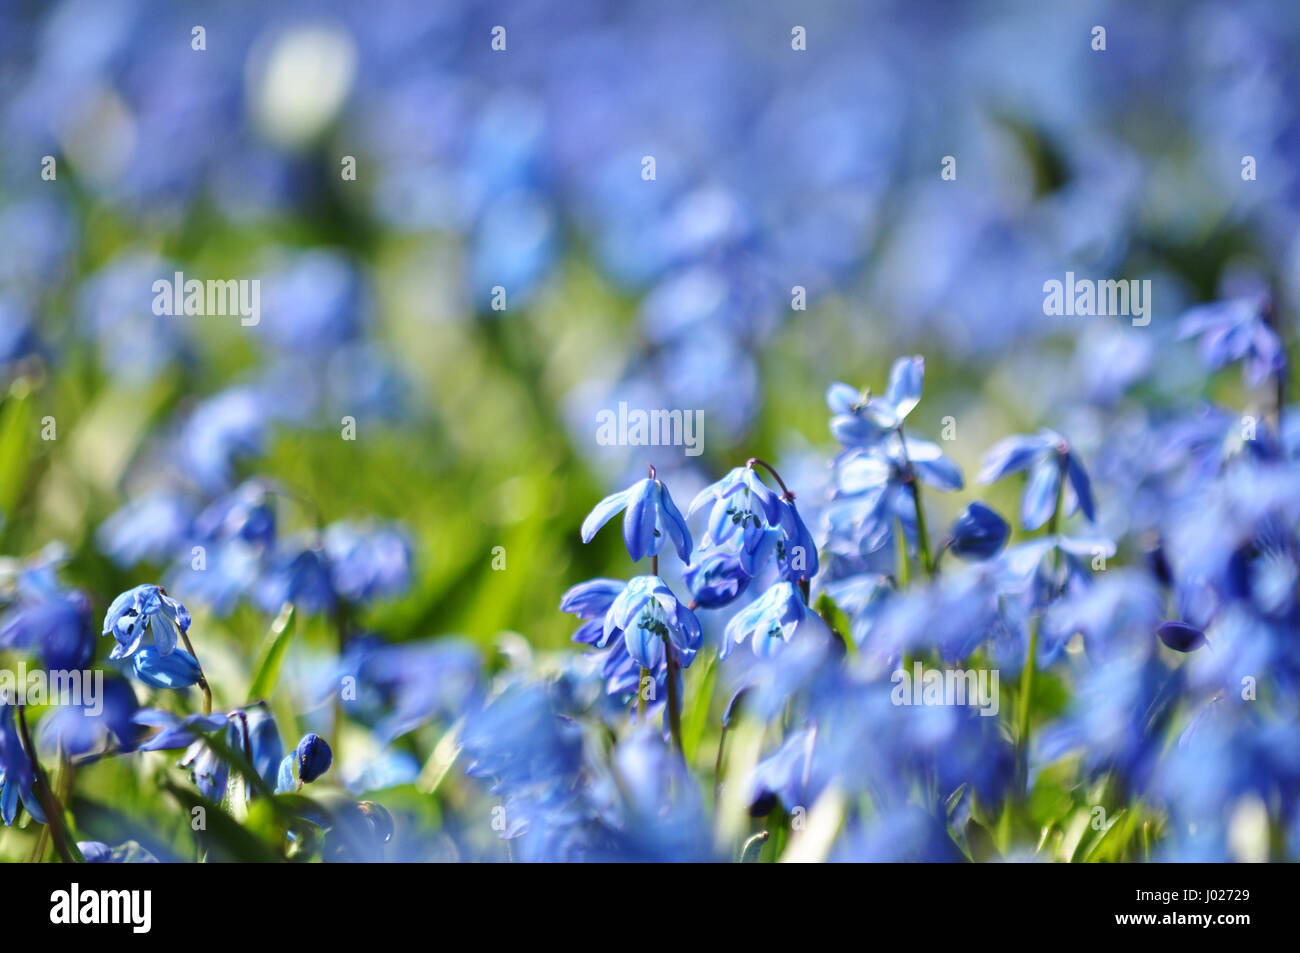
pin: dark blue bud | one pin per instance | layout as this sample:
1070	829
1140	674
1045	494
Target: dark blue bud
1180	636
979	533
314	757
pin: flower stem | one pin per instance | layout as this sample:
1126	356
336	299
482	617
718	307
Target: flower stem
1024	708
64	844
674	703
203	679
913	484
756	462
757	841
717	765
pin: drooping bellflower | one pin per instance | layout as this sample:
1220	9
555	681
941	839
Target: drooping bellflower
1047	456
142	610
651	518
648	614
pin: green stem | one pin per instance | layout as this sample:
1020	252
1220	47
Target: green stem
63	843
1025	702
758	840
203	679
717	764
1023	710
674	703
922	533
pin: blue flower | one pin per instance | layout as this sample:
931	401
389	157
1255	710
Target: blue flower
151	527
590	601
298	573
209	770
1047	456
873	493
249	731
651	518
741	502
751	523
716	579
771	620
979	533
178	669
94	724
368	562
906	378
56	623
305	764
850	424
1237	330
145	608
97	852
648	614
16	774
1026	567
796	550
784	776
229	426
860	420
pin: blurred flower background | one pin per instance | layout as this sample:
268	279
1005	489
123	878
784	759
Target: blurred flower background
367	503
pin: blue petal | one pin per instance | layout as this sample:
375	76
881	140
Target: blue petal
1040	495
285	783
644	646
674	525
905	382
164	634
639	521
841	398
8	801
602	513
1010	455
932	466
592	598
1082	486
180	669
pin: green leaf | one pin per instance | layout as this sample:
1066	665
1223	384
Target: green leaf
272	655
982	848
1111	845
221	837
15	450
697	714
836	619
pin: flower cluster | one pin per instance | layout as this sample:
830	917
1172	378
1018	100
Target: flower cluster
1032	596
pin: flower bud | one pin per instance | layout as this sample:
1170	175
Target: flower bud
314	757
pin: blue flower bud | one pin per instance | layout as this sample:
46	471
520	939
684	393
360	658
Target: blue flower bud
1180	636
314	757
979	533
